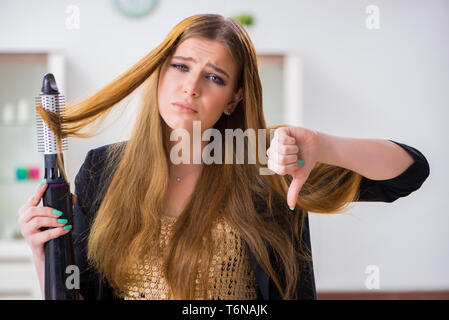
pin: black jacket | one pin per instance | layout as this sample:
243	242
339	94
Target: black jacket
91	174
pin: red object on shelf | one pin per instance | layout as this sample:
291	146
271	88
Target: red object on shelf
33	173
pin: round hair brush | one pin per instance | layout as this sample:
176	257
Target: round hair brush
59	255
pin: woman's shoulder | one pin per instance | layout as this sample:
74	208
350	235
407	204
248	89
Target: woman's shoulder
97	159
96	170
98	156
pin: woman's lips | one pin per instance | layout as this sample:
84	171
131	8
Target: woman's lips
183	108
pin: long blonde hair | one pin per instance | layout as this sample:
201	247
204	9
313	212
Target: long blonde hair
128	218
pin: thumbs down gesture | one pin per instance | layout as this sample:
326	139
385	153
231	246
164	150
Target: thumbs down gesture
293	151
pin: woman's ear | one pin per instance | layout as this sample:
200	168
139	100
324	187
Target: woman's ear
238	96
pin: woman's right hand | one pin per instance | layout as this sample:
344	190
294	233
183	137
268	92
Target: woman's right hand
32	218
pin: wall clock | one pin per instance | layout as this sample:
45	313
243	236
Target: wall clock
135	8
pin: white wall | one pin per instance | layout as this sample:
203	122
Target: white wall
386	83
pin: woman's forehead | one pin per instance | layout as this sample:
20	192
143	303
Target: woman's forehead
204	50
205	46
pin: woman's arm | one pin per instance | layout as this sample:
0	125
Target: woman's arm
375	159
389	169
404	178
39	264
38	260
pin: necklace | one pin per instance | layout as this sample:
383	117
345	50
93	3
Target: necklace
179	178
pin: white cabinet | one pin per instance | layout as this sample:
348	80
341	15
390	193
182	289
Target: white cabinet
282	89
21	75
18	277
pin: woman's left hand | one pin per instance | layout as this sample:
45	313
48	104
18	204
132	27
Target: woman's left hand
293	151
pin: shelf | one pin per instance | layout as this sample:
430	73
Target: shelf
17	126
19	182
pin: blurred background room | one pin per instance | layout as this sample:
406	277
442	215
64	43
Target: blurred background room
356	68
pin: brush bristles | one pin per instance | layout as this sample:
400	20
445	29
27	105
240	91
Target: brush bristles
46	140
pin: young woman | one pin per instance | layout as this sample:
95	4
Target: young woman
147	227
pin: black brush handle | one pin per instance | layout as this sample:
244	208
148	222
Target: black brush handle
59	253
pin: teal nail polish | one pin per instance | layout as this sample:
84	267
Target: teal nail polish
43	182
68	227
292	208
301	162
62	221
57	212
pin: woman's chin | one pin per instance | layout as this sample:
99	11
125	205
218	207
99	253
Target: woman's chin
181	125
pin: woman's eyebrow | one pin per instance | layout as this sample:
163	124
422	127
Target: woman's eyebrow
209	64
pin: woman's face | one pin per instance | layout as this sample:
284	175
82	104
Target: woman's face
202	74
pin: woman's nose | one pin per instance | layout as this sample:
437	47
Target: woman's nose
192	87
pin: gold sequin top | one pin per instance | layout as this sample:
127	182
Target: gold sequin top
230	275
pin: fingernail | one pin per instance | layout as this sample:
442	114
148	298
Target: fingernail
43	182
292	208
62	221
57	212
69	226
301	162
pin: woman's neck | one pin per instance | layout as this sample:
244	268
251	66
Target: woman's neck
189	164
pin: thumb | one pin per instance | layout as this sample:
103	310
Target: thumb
293	191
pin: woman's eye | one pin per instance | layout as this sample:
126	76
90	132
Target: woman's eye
217	80
177	65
